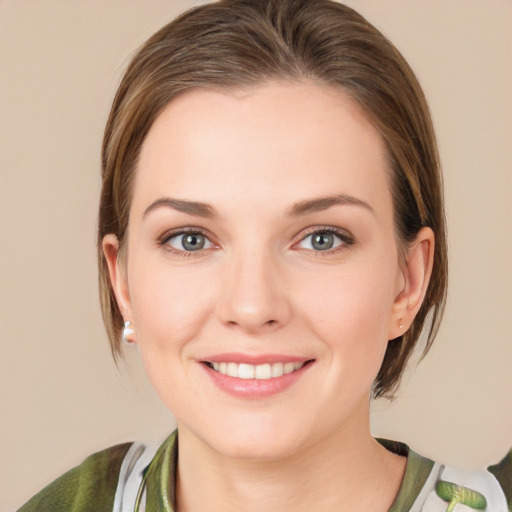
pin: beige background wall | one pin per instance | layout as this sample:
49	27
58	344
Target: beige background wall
62	396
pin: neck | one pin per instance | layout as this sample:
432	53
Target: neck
344	470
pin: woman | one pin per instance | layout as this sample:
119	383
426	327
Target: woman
271	236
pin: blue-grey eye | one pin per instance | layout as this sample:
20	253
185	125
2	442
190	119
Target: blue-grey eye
192	241
321	241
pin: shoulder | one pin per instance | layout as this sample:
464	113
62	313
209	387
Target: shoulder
435	487
90	486
503	473
447	486
477	489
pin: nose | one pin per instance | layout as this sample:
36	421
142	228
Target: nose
254	296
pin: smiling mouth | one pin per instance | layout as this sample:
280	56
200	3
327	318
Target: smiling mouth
261	371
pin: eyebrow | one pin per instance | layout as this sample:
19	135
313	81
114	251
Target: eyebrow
299	209
322	203
191	207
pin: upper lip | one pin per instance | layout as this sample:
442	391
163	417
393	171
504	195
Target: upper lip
234	357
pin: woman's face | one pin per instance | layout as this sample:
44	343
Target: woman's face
261	235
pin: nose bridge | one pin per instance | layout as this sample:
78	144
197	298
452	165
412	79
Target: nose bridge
253	297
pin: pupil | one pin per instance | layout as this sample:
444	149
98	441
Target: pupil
322	241
193	242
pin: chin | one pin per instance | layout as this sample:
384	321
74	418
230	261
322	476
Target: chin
258	448
254	439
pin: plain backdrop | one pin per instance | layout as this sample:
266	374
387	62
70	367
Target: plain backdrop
63	397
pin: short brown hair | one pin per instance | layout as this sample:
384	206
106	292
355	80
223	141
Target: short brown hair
243	43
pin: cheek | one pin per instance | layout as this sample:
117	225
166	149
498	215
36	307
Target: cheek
353	299
170	309
170	306
350	310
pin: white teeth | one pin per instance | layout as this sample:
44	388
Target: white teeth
261	371
288	368
277	369
232	370
245	371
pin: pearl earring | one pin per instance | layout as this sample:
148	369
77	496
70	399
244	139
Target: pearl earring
127	330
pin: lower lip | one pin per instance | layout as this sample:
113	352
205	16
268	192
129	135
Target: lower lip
255	388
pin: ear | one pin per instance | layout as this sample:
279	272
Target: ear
118	278
413	283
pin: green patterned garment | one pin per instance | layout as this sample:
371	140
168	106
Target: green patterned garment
120	480
91	486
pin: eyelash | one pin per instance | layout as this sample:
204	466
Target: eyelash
345	238
163	241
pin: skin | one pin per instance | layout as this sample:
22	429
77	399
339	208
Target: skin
260	287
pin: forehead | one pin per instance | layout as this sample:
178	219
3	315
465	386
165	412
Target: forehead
281	140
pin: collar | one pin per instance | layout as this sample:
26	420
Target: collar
161	471
159	478
417	470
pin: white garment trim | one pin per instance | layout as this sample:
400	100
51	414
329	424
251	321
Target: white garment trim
481	481
137	458
140	455
430	484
